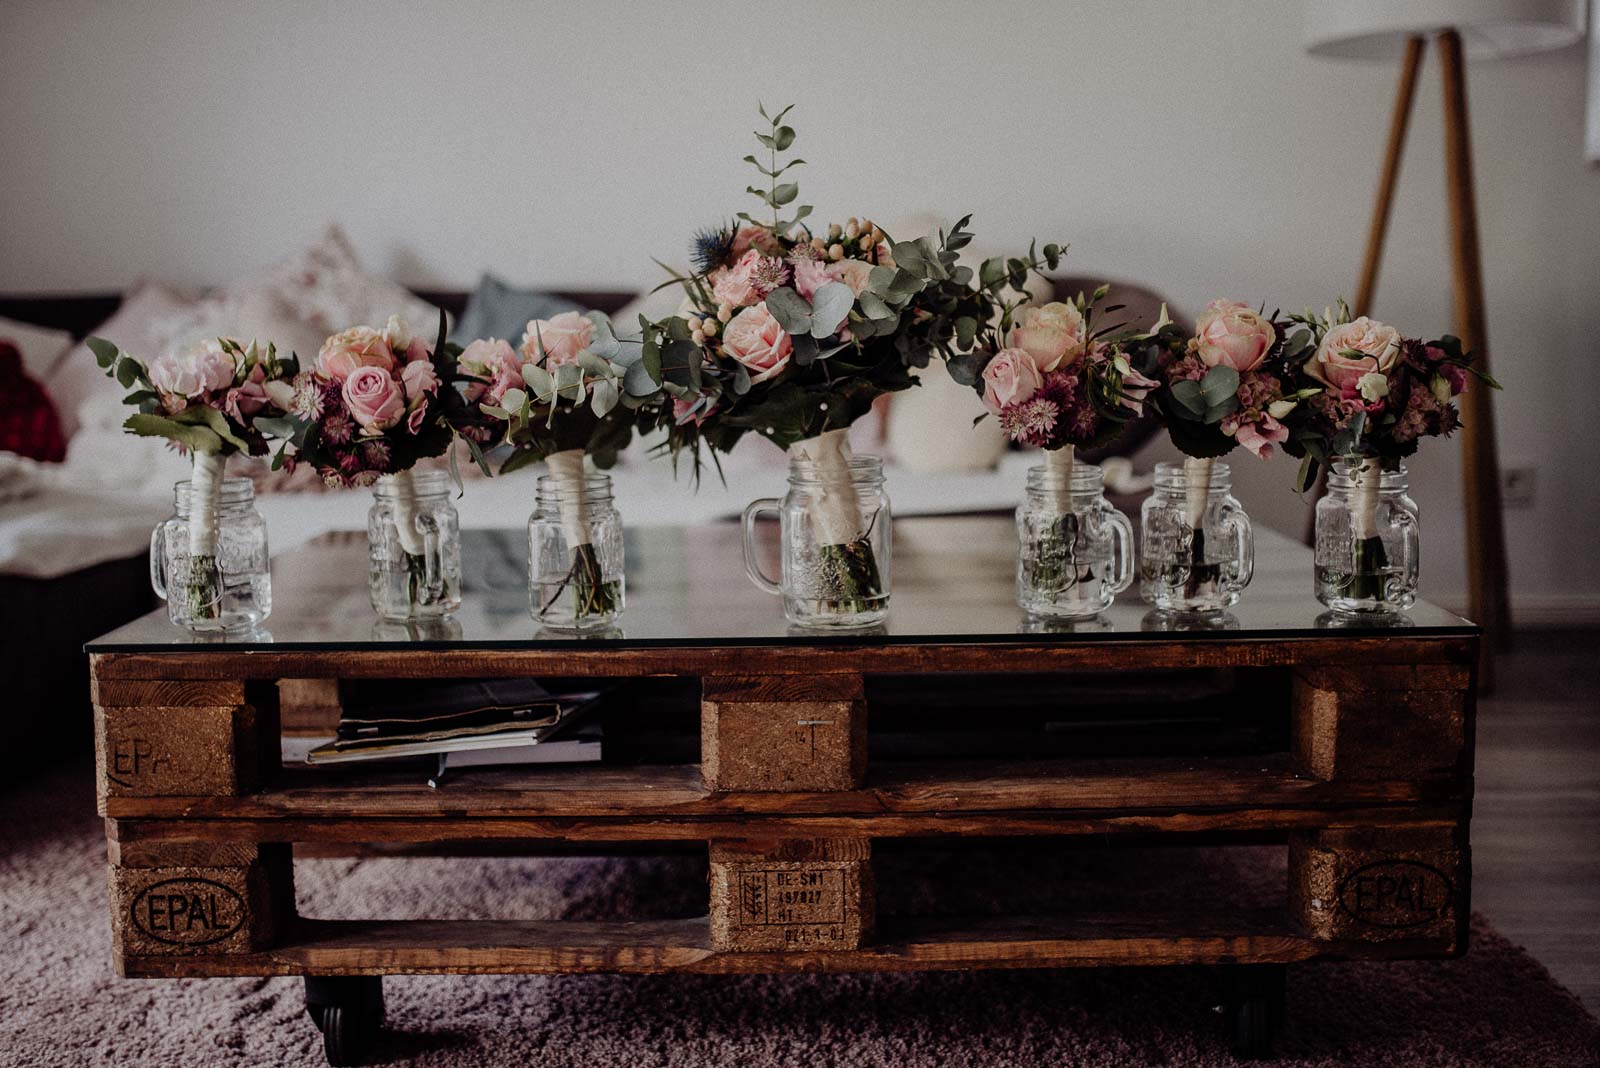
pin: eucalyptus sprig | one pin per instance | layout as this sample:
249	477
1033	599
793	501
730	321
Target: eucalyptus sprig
778	138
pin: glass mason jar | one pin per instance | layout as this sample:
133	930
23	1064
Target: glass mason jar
1197	552
213	574
1075	551
413	547
834	532
575	554
1368	540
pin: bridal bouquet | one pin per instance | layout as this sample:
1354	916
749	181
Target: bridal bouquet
558	397
1056	381
792	332
377	403
213	400
1231	384
1371	397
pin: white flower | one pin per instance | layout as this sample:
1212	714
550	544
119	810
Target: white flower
397	334
1441	389
1373	386
1280	408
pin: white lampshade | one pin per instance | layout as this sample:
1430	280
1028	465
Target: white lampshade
1377	29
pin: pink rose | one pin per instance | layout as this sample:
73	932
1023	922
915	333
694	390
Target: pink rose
682	407
418	350
1011	377
754	338
754	237
561	337
360	346
416	417
194	372
736	285
852	273
1456	376
1052	335
1230	334
374	398
248	398
419	378
494	360
810	276
1353	349
1260	437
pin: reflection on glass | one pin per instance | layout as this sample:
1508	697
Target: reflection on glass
876	630
1040	625
562	634
231	636
446	629
1157	620
1370	621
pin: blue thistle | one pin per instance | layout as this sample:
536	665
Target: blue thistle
711	247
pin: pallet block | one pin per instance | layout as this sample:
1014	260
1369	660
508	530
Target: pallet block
1394	884
1382	723
791	895
783	733
199	899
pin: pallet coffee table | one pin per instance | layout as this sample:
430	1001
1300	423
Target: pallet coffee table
1356	758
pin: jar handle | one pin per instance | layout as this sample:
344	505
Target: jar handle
158	560
748	526
1411	550
1237	523
1121	551
432	560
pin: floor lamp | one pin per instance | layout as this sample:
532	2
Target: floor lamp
1486	29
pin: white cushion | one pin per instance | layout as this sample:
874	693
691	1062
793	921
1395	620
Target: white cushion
40	346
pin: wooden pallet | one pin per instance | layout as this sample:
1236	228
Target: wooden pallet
1372	795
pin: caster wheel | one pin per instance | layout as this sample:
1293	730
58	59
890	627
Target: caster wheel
348	1010
1254	1002
348	1034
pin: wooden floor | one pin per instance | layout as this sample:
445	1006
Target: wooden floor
1536	820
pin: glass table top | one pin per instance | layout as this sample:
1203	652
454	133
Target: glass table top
952	582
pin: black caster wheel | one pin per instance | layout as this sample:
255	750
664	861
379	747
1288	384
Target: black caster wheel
348	1010
1253	1005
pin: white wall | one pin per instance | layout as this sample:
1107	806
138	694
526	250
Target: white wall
1193	146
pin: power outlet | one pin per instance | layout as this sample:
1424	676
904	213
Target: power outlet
1518	486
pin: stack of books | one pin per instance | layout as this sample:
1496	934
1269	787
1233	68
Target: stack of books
463	723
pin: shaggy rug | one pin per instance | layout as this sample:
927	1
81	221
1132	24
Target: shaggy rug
60	1005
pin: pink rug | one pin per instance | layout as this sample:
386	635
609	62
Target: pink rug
60	1005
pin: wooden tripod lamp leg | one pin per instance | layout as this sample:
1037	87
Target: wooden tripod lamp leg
1486	543
1388	178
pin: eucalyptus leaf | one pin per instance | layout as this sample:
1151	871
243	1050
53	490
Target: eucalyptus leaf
514	399
594	364
785	193
1219	383
194	438
105	353
637	381
604	399
538	380
1187	393
791	309
829	306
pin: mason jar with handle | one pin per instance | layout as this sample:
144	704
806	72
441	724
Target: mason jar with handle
1075	550
209	560
1368	540
834	529
1197	550
576	565
413	547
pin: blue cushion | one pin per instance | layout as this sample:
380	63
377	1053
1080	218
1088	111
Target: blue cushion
499	310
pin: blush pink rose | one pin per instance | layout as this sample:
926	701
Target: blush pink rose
736	285
374	398
754	338
852	273
492	359
194	372
1260	437
1011	377
682	407
562	337
810	276
1353	349
360	346
419	378
755	237
1229	333
1052	334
